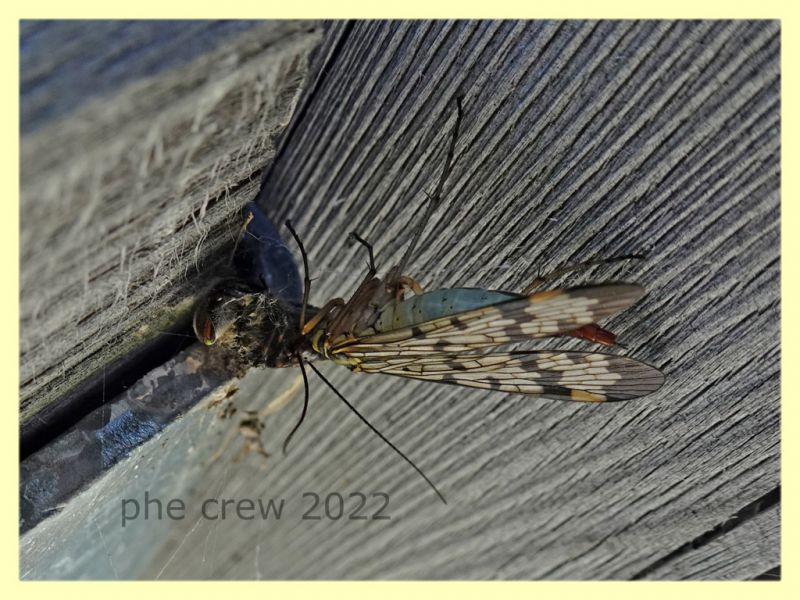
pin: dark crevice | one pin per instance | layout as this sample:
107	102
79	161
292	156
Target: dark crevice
750	511
182	328
102	387
112	380
774	574
299	116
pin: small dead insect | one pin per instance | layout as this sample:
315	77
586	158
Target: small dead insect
444	336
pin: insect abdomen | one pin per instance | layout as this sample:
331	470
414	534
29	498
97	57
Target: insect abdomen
435	304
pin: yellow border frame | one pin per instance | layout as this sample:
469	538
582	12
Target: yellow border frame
790	331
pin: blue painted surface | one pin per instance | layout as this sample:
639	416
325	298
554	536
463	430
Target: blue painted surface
65	63
123	434
60	469
264	261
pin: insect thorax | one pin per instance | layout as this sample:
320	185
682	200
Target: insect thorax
266	332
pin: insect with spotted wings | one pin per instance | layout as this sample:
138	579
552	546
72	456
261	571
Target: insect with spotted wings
446	336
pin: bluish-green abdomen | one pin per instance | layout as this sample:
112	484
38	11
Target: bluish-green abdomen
435	304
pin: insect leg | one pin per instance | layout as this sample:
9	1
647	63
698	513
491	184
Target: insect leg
392	280
410	283
323	312
368	246
364	293
575	267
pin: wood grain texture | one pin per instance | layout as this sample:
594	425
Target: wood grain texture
745	549
64	63
125	199
580	139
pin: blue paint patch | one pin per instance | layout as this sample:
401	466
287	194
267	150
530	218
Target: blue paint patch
123	434
263	260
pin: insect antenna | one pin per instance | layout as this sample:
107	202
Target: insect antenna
298	355
376	432
306	277
305	404
321	376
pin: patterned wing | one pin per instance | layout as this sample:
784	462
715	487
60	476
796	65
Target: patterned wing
581	376
539	315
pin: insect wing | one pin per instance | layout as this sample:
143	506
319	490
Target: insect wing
539	315
581	376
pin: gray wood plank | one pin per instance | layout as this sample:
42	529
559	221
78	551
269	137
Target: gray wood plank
65	62
749	548
124	201
581	139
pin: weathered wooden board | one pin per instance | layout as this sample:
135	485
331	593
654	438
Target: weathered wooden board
65	63
125	199
747	548
581	139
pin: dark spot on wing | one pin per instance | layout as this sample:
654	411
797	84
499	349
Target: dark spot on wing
515	330
555	390
494	382
458	323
